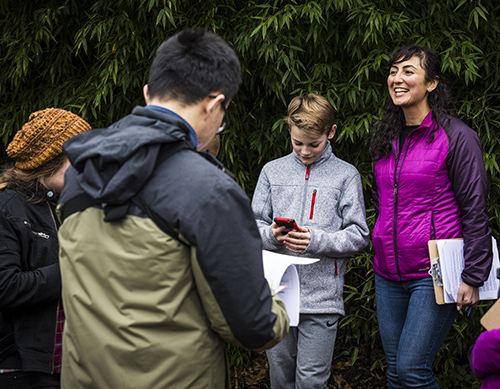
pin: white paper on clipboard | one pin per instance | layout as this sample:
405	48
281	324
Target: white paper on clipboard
451	257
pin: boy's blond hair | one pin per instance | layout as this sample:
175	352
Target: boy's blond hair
311	113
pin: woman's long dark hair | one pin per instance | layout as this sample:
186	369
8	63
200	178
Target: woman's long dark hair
393	119
27	182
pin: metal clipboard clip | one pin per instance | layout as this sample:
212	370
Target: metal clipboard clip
435	272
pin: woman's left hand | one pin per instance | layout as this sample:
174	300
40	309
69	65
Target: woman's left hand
297	241
467	295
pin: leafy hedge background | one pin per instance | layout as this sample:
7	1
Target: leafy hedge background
92	57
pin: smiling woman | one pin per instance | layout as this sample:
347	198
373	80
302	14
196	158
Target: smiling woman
409	88
429	183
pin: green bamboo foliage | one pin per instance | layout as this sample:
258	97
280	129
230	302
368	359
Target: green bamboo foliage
92	57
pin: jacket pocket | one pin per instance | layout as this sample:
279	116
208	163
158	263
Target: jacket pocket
322	208
41	244
36	233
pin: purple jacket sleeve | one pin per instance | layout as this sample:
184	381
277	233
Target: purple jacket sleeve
485	355
470	185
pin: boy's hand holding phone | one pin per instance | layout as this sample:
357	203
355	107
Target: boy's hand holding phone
281	227
297	241
295	238
287	223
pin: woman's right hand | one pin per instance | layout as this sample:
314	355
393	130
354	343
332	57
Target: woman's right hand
467	296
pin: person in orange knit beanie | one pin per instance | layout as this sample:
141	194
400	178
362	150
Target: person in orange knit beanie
31	312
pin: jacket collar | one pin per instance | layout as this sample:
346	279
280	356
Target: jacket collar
325	155
423	129
427	122
34	192
192	134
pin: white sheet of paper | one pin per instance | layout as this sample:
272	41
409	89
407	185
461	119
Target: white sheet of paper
451	258
279	269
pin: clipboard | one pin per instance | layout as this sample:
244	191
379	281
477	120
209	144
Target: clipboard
491	319
435	272
489	291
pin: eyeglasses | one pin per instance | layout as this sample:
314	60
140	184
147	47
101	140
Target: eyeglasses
226	121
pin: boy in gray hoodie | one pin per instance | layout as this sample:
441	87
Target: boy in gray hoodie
324	195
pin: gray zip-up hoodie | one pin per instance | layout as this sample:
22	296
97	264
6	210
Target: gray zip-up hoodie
327	198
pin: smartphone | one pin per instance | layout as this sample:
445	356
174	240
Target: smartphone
287	222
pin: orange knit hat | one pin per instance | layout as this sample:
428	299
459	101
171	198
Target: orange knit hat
41	138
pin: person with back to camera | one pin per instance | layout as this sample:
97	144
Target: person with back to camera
161	258
324	195
429	183
31	313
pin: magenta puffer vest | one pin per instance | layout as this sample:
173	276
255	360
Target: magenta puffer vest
416	203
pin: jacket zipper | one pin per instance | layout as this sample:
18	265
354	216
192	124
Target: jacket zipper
313	201
59	301
55	337
40	234
433	226
304	195
397	176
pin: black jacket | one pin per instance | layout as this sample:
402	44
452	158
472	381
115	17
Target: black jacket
30	282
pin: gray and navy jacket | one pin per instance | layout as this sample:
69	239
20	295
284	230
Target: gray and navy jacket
436	188
327	198
163	268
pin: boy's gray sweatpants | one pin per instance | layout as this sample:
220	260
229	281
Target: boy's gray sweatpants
303	359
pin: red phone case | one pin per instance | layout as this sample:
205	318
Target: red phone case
287	222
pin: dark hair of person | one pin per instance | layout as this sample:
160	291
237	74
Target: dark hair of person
393	119
193	64
311	113
27	182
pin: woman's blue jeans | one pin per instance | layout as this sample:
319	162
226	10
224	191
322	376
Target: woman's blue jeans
413	327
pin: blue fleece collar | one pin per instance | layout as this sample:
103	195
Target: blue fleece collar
192	134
